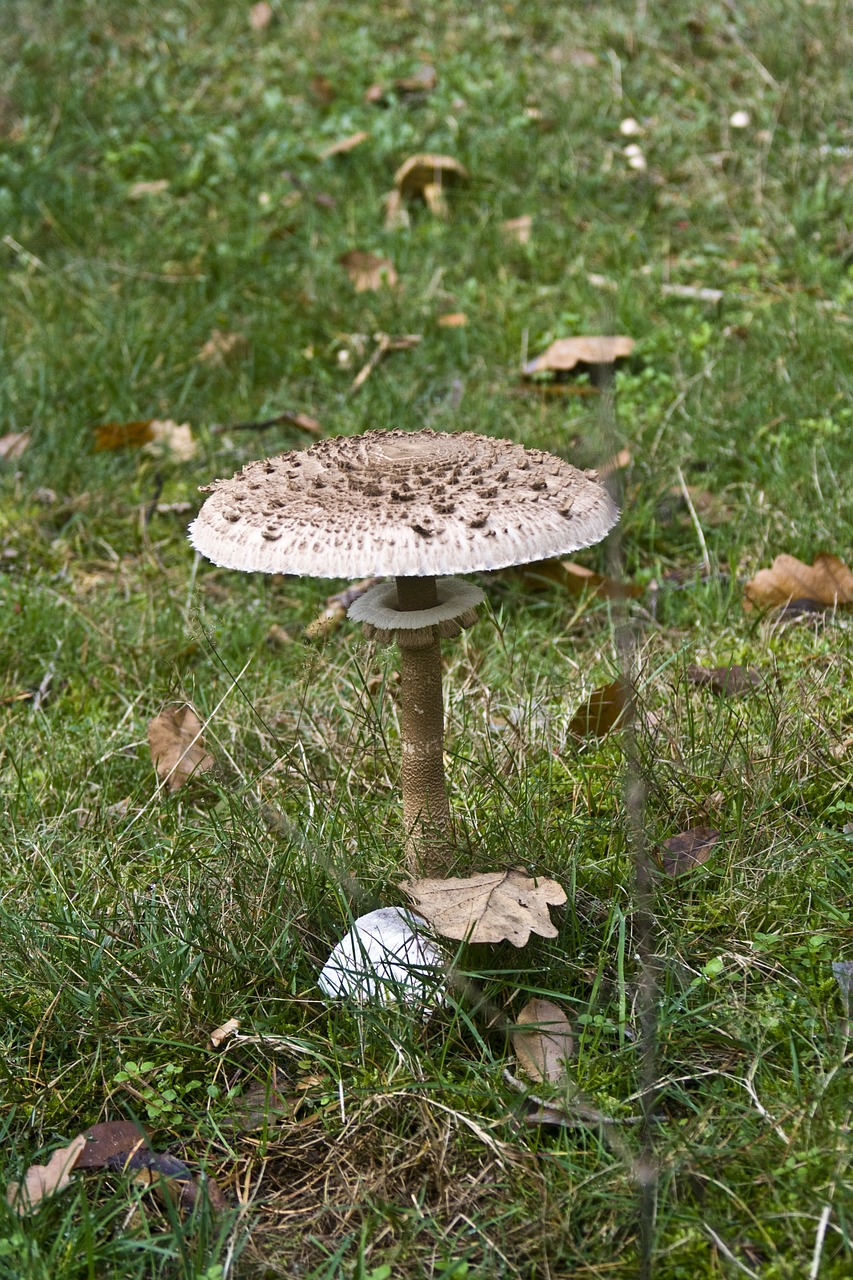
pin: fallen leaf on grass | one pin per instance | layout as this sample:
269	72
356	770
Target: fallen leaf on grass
154	435
221	347
260	1106
576	579
489	907
222	1033
13	445
604	709
453	320
423	80
151	187
618	462
542	1041
518	229
344	145
687	850
177	746
566	353
260	15
105	1143
734	680
367	271
335	609
42	1180
827	582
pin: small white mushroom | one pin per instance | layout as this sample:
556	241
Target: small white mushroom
385	956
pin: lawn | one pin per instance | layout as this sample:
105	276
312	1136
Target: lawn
165	177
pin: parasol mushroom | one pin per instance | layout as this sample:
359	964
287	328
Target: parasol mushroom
415	507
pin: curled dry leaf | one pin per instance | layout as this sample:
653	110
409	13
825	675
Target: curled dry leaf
344	145
222	1033
604	709
733	681
453	320
489	907
827	582
576	579
367	271
542	1041
152	187
260	15
518	229
566	353
43	1180
687	850
221	347
177	746
13	445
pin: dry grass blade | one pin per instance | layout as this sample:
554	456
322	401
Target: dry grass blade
367	271
344	145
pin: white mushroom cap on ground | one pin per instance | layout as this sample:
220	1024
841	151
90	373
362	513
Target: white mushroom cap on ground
403	504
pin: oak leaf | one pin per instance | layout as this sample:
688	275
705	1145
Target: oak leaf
542	1041
489	907
367	271
43	1180
827	582
564	354
177	746
688	849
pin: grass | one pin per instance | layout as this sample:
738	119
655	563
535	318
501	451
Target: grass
132	923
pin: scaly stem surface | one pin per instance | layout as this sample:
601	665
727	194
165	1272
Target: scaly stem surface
426	812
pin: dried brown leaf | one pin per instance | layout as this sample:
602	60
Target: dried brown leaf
618	462
107	1142
566	353
174	438
687	850
489	907
542	1041
733	681
123	435
827	582
368	272
576	579
221	347
453	320
343	145
177	746
222	1033
260	15
260	1106
518	229
423	80
13	445
151	187
604	709
43	1180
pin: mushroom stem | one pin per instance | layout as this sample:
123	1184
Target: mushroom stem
426	812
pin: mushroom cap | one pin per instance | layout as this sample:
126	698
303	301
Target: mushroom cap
409	504
420	171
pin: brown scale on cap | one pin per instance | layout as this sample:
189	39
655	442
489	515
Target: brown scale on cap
401	503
